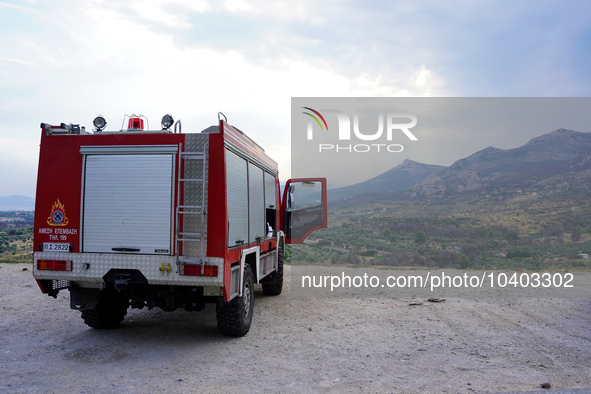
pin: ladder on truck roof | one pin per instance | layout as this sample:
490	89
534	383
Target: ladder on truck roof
190	212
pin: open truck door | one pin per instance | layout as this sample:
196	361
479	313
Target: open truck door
303	208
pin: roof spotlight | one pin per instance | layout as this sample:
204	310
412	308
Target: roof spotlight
167	121
99	123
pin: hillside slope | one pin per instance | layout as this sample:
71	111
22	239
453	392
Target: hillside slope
401	177
557	163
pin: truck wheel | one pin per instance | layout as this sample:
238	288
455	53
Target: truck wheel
275	285
234	317
109	312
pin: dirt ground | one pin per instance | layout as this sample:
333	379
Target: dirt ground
297	344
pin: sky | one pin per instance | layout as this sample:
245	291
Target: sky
70	60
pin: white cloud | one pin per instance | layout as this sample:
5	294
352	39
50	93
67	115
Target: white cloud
69	60
21	62
14	6
124	66
237	5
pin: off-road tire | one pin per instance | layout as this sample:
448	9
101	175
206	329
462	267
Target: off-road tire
275	285
234	317
109	312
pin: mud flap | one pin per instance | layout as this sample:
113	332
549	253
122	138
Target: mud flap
82	299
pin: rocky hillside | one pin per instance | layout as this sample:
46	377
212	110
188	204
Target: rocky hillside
402	177
558	163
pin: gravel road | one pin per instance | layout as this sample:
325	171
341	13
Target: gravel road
297	344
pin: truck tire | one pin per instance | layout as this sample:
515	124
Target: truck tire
234	317
109	312
275	285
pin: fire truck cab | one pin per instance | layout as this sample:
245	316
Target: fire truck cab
160	218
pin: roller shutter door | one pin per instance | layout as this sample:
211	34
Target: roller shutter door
128	203
256	202
237	186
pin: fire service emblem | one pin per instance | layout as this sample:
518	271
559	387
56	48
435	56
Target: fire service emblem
58	214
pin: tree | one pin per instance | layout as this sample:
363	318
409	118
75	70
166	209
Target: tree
464	261
576	234
420	237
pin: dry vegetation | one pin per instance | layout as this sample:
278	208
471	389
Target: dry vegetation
522	232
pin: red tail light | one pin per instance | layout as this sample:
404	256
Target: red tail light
195	270
54	265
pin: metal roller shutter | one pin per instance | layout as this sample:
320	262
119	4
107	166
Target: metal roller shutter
270	199
237	199
256	202
128	203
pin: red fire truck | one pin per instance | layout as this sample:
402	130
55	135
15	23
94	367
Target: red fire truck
160	218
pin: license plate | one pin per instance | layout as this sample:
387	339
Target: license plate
56	247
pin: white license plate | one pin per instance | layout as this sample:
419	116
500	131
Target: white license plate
56	247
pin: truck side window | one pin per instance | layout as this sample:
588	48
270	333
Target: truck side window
304	195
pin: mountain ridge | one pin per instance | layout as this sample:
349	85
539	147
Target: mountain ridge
400	177
17	203
555	164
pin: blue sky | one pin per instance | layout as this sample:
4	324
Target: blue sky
67	61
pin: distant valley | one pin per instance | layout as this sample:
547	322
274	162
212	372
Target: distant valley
522	208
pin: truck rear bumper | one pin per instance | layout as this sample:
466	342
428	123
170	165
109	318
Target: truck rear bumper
92	268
